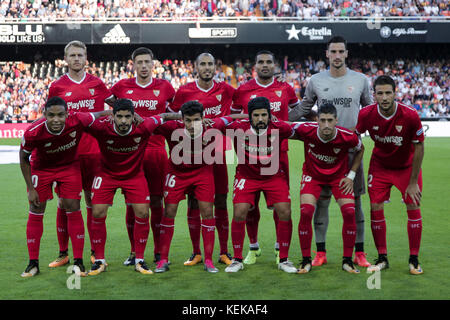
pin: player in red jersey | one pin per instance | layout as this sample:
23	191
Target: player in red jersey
326	164
122	148
216	98
52	142
282	97
83	92
396	161
257	142
150	97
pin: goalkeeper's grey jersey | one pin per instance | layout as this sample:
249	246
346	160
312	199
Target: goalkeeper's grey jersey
346	93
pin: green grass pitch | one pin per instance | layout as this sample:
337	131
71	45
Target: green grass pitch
261	281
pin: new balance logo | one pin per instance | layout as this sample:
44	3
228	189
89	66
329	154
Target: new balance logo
116	35
68	94
375	128
129	91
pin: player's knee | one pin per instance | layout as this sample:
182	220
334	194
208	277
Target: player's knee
284	214
99	212
71	205
376	206
141	213
170	211
306	211
38	209
220	201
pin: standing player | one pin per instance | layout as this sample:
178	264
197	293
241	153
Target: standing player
122	144
83	92
52	142
190	174
257	142
396	161
282	97
347	90
150	97
216	98
326	164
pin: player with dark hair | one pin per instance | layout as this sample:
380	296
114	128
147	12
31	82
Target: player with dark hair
122	144
396	161
52	142
257	142
190	172
282	98
347	90
150	97
326	165
216	98
82	92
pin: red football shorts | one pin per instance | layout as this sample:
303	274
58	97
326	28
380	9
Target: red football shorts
380	181
134	189
199	182
89	165
155	169
275	190
67	179
309	185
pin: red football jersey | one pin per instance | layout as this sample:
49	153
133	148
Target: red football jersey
258	155
394	136
187	153
51	150
88	95
280	94
326	160
122	155
216	101
148	100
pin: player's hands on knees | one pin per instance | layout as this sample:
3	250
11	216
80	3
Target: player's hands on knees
33	197
413	191
346	185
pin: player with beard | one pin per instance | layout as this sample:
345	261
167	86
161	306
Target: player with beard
216	98
257	144
282	98
82	92
347	90
150	97
396	161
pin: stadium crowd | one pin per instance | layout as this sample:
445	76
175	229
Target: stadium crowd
177	9
423	84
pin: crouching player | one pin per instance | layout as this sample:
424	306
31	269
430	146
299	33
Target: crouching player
52	142
326	162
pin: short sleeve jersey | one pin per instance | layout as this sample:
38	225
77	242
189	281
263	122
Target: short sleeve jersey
258	154
216	101
88	95
326	160
122	155
394	136
280	94
148	100
188	153
49	150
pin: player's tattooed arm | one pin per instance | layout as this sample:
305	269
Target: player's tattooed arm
102	113
25	167
413	190
170	116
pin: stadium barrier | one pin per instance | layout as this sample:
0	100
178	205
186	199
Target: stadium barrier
276	32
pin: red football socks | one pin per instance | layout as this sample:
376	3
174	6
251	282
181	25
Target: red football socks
284	231
141	231
166	234
222	225
194	224
61	229
155	222
378	225
35	228
208	235
305	232
252	223
237	237
130	220
348	228
414	231
75	226
99	237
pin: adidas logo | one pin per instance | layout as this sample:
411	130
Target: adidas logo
116	35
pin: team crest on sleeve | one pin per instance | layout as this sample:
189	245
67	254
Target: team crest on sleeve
399	128
419	132
92	91
156	92
278	93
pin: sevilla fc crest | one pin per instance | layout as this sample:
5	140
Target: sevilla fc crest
137	140
156	92
399	128
278	93
92	91
73	134
219	97
336	150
